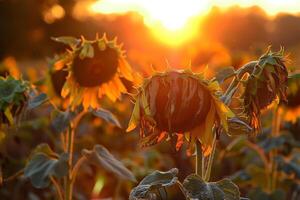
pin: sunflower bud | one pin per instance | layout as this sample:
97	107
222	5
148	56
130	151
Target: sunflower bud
178	103
266	83
13	96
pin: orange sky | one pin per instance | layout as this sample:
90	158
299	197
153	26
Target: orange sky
174	21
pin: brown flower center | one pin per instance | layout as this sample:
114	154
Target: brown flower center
91	72
178	103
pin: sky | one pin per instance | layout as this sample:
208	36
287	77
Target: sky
173	20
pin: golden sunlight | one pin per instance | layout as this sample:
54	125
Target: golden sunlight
174	22
171	21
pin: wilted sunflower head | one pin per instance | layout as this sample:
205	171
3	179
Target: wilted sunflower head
13	97
266	83
94	69
178	103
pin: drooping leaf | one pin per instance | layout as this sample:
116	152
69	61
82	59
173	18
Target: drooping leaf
196	188
101	157
41	167
151	183
61	120
237	126
272	143
225	73
289	167
107	116
240	176
44	148
71	41
37	100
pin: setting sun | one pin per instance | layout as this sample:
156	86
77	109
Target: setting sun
174	22
171	21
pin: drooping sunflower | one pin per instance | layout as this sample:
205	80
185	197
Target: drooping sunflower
179	103
267	83
94	69
13	98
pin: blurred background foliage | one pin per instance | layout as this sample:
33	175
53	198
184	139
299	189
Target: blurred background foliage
229	37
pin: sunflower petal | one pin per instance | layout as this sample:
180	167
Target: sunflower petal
135	116
125	69
206	137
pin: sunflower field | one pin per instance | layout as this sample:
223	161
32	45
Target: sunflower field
149	100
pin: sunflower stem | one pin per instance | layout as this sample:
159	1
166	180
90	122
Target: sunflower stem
69	180
57	188
180	186
68	189
210	160
273	153
198	158
247	68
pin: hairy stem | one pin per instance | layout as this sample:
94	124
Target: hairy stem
69	180
69	188
57	188
273	153
182	189
210	160
198	158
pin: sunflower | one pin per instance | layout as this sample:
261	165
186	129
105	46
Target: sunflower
13	98
95	69
179	103
267	83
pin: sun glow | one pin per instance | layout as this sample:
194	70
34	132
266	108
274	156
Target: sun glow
175	21
171	21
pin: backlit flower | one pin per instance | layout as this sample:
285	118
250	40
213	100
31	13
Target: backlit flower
94	70
179	103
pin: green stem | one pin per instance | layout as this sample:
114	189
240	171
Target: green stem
69	188
198	158
69	180
273	153
210	159
57	188
182	190
247	68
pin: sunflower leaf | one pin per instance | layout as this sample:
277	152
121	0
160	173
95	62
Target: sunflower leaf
61	120
153	182
101	157
71	41
41	167
196	188
134	116
107	116
38	100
